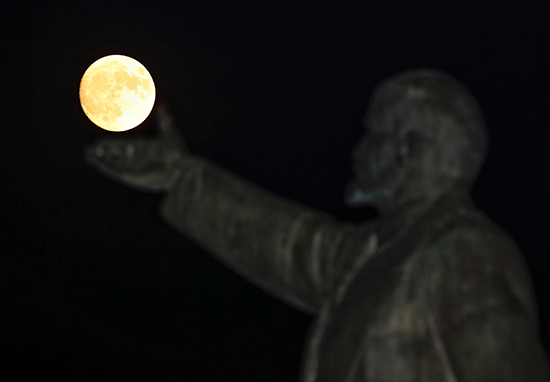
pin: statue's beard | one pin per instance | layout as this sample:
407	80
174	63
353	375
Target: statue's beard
357	195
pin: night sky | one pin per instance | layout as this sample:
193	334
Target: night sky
94	285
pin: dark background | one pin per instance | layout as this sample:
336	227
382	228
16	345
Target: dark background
94	285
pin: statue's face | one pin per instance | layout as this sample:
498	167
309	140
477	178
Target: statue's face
424	134
376	167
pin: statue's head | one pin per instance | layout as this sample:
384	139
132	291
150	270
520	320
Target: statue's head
425	136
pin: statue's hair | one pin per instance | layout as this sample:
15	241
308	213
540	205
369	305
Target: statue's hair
441	109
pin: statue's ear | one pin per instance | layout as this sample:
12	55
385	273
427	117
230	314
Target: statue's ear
411	147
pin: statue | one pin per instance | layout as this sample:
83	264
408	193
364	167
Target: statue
432	291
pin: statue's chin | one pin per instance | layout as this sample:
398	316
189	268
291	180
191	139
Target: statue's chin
357	196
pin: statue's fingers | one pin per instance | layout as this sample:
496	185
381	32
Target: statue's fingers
96	153
113	154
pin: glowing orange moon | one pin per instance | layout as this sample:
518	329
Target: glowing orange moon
117	93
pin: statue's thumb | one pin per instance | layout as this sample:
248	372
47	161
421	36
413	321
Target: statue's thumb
165	120
169	133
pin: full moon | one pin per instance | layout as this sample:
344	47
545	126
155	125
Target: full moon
117	93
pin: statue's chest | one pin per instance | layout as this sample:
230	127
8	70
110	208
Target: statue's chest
379	302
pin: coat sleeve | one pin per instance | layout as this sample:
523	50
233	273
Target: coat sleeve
285	248
486	311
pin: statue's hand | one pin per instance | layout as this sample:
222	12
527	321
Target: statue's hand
144	164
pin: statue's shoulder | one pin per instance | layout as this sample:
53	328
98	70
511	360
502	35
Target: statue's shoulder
468	242
471	226
477	251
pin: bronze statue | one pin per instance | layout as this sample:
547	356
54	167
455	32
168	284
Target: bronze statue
432	291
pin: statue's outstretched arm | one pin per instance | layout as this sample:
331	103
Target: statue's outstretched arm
291	251
287	249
